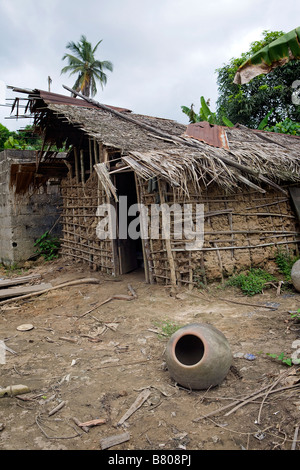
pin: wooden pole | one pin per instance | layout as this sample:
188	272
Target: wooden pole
164	233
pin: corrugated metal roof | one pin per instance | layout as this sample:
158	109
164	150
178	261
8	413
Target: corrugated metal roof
56	98
205	132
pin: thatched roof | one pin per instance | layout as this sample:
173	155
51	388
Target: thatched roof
161	147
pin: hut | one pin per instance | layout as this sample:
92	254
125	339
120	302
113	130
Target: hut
244	180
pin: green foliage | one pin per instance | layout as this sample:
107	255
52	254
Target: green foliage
167	328
199	277
282	358
47	246
4	135
285	263
295	315
13	143
265	120
248	104
285	127
205	114
23	139
251	282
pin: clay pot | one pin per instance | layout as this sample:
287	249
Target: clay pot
198	356
295	275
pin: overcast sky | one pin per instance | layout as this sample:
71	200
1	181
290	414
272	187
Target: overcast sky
165	52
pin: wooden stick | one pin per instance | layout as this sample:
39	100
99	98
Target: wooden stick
132	291
19	280
111	441
76	165
117	297
246	246
84	428
167	240
295	438
82	168
246	303
60	286
57	408
93	422
135	406
260	395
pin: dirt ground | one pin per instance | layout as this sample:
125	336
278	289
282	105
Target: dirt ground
96	364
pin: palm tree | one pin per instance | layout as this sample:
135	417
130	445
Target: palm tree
84	64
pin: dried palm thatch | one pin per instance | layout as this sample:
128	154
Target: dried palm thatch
160	147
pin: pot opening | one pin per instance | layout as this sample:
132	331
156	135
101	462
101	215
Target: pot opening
189	350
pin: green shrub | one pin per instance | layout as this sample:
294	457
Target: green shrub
285	263
47	246
252	282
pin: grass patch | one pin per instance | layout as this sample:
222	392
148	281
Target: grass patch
167	328
252	282
285	263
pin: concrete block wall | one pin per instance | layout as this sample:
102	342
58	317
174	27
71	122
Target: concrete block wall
25	217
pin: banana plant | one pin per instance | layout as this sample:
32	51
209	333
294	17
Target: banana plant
205	114
277	53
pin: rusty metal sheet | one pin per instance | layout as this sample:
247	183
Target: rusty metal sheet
56	98
210	134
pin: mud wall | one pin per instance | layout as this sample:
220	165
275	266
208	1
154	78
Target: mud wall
241	230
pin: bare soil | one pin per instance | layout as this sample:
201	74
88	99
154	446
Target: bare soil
97	364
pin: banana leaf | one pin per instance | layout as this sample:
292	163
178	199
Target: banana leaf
227	122
275	54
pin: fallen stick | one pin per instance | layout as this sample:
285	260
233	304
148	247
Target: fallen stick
295	438
236	402
132	291
19	280
2	345
84	428
18	291
246	303
135	406
57	408
93	422
70	340
114	297
259	396
111	441
60	286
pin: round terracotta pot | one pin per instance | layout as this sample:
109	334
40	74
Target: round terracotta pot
198	356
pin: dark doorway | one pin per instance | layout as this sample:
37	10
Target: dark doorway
130	252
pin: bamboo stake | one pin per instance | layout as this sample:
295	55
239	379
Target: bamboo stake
167	240
82	168
76	165
95	152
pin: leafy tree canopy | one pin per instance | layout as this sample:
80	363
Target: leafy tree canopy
4	135
250	103
24	139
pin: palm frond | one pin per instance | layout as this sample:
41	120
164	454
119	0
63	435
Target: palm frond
277	53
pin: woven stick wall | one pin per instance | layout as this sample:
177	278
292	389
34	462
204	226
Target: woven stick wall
242	229
82	195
